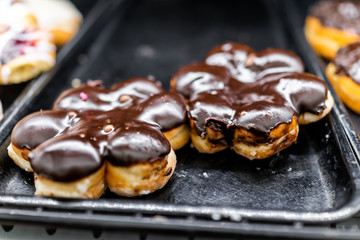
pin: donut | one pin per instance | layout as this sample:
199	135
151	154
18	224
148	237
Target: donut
95	138
59	17
251	102
25	51
331	25
344	74
14	14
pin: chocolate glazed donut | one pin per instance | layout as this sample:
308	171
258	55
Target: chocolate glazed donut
94	134
331	25
249	101
344	75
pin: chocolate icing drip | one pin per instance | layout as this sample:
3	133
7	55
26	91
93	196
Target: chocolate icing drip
259	104
344	15
90	123
137	142
40	127
66	158
347	61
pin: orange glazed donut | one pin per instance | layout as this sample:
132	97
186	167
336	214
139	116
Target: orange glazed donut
251	102
331	25
96	137
344	75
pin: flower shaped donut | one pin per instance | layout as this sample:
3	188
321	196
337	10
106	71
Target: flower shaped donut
25	51
121	137
252	102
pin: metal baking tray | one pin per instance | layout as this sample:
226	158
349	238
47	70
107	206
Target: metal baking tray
298	192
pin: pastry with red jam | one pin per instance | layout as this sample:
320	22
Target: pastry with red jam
25	51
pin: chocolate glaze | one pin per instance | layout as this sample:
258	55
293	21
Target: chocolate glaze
123	125
168	172
247	66
199	77
344	15
347	61
258	105
65	158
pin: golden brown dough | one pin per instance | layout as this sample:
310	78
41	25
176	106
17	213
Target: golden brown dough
141	178
345	87
20	157
91	186
178	136
326	41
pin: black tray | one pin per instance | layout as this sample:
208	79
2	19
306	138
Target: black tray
315	181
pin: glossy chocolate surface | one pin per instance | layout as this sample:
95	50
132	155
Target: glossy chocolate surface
91	124
347	61
247	66
222	101
344	15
